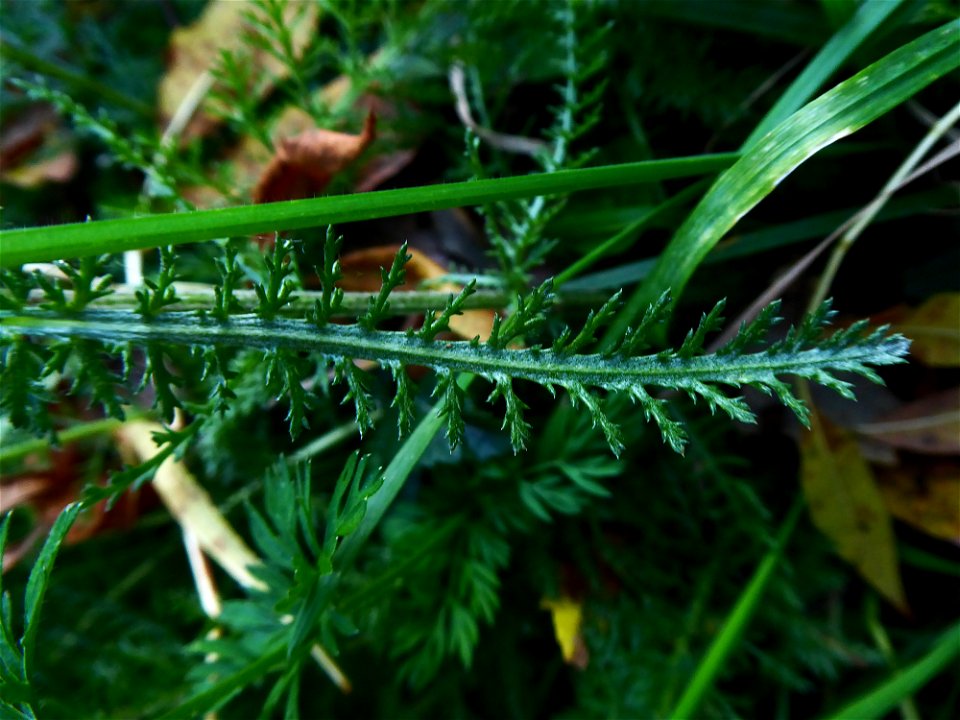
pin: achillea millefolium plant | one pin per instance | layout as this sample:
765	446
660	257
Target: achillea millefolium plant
612	525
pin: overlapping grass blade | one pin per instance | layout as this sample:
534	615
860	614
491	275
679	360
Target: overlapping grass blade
726	640
834	115
832	55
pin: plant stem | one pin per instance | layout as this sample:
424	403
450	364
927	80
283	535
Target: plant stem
11	51
326	441
19	450
541	366
866	216
199	298
908	708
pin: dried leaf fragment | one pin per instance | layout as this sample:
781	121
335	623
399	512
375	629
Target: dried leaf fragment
223	27
303	165
934	329
48	490
361	273
34	149
930	425
190	504
929	501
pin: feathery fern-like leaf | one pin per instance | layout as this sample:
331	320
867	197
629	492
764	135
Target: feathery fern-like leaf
804	353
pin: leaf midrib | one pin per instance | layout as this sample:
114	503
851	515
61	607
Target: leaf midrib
350	341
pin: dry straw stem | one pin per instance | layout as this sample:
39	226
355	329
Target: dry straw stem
903	175
201	521
191	506
501	141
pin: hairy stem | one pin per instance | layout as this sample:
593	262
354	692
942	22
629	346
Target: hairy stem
541	366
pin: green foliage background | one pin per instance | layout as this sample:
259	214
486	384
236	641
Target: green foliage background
422	564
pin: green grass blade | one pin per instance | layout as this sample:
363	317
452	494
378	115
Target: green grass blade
868	18
730	632
887	695
224	688
630	230
43	244
832	116
40	578
394	478
12	52
915	557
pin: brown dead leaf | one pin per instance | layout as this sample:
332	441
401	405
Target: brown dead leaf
929	501
25	133
382	168
304	164
930	425
361	273
35	148
847	507
223	26
49	490
934	328
247	160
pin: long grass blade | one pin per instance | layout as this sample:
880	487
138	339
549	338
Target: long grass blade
43	244
883	698
394	478
834	115
726	641
869	16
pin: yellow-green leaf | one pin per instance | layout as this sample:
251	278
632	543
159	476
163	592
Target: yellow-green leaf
848	508
934	328
567	617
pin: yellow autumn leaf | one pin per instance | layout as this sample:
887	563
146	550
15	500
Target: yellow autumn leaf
847	507
934	328
567	615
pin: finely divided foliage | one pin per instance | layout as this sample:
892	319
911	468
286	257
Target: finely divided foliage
296	350
213	354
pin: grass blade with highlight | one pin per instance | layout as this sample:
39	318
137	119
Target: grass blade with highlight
834	115
44	244
868	18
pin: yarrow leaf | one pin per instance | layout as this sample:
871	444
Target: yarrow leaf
804	352
332	297
377	311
